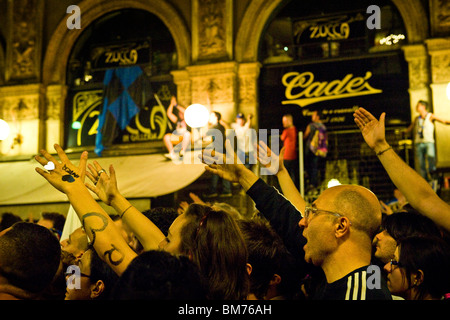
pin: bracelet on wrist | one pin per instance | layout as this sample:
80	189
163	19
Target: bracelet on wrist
125	211
383	151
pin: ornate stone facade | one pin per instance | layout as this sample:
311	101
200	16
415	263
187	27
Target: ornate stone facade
20	107
23	50
217	45
439	51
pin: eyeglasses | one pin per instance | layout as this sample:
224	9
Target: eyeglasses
309	212
68	274
395	263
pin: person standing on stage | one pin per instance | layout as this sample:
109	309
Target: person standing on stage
424	144
289	139
316	148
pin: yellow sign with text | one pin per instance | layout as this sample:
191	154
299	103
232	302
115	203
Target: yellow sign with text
301	89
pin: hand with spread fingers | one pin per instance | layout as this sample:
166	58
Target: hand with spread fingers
63	175
373	130
275	166
225	166
267	158
105	237
105	187
228	166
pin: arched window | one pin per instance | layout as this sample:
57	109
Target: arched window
300	31
120	64
330	56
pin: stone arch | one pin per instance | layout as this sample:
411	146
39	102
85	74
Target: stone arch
414	18
2	63
259	12
250	31
63	39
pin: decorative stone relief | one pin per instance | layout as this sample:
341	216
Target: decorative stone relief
440	17
439	50
183	83
20	102
24	40
54	102
218	81
212	29
248	78
419	72
440	66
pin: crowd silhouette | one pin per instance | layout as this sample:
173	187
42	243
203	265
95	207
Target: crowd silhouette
339	247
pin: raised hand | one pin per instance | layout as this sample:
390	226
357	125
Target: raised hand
267	158
196	198
63	175
105	187
226	166
373	130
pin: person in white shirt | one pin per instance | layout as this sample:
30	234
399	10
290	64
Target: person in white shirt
424	143
245	139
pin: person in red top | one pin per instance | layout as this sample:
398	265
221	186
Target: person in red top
289	138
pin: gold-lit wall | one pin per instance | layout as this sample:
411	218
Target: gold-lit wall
35	44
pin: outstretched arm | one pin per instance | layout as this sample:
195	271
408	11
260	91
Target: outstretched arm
172	117
102	232
287	185
416	189
229	167
439	119
281	213
105	187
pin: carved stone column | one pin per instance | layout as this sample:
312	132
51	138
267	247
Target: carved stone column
53	117
219	82
183	83
248	84
419	74
212	30
24	40
439	50
20	108
231	87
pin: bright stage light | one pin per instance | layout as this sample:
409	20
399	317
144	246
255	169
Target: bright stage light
196	115
76	125
333	183
448	91
4	129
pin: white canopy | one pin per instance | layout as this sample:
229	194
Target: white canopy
142	176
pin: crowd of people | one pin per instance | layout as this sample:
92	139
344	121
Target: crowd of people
340	247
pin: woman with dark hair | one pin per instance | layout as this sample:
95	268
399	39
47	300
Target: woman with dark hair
420	269
212	239
159	275
401	225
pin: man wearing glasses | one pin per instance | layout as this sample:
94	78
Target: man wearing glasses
335	233
339	228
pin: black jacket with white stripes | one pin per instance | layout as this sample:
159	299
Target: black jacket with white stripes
284	218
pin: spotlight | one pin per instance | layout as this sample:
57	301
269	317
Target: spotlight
333	183
448	91
76	125
4	129
196	115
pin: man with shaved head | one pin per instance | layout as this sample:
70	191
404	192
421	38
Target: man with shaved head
339	228
335	233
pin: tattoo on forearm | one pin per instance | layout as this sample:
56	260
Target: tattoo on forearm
68	178
70	171
119	255
94	230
